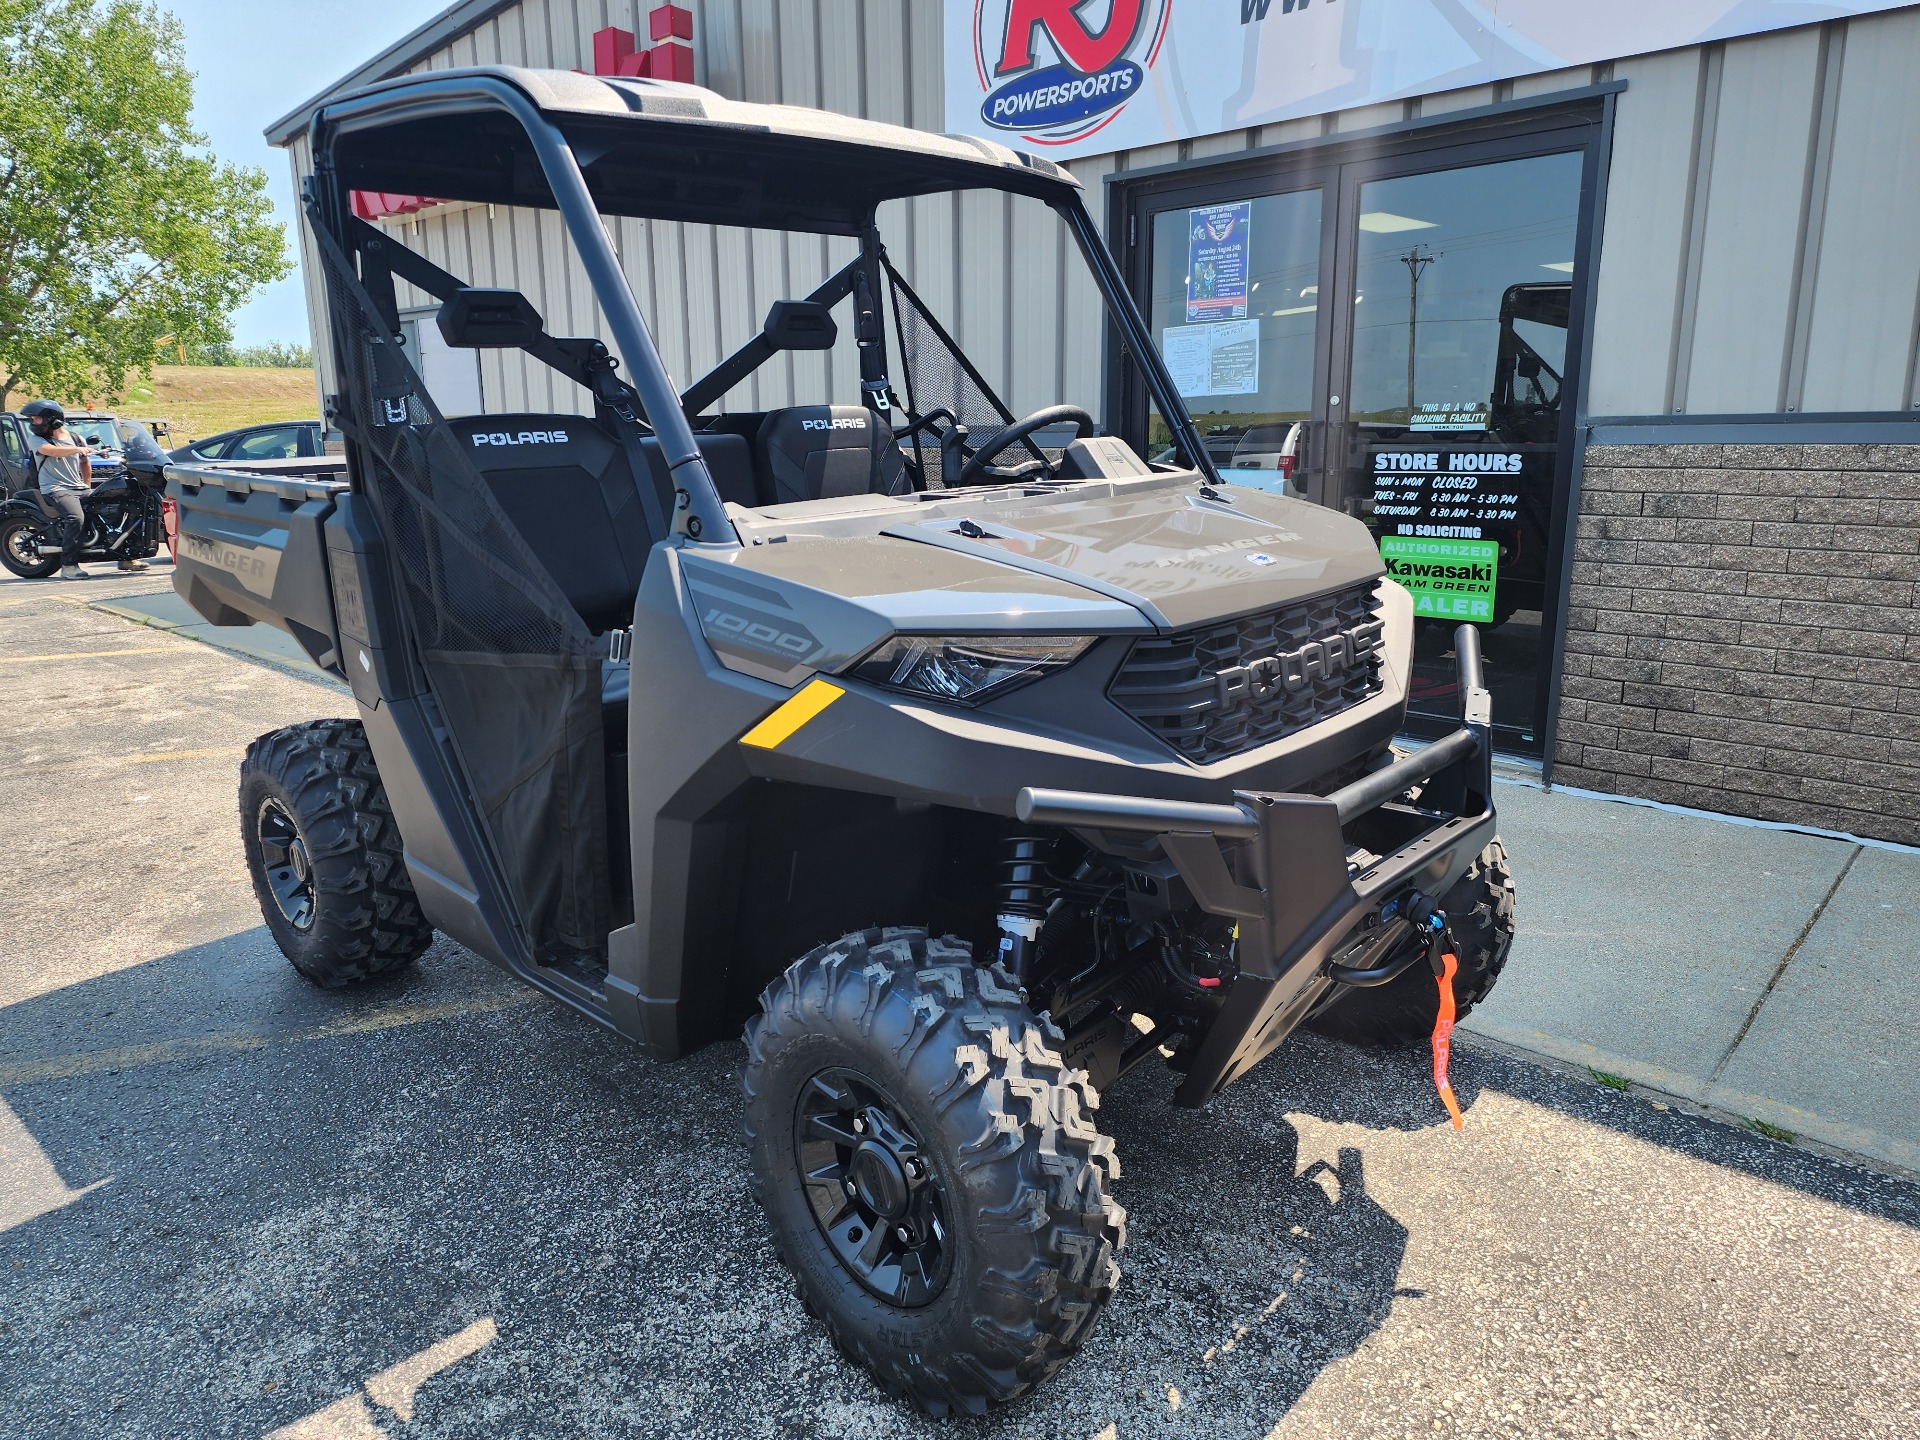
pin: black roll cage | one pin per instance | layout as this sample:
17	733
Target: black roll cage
700	516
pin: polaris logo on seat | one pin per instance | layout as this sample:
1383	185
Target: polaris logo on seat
524	437
843	422
1294	670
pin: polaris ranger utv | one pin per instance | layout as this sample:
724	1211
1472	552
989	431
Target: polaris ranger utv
965	758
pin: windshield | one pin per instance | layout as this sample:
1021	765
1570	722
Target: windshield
95	430
139	445
752	323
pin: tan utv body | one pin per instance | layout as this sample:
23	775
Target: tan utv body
967	759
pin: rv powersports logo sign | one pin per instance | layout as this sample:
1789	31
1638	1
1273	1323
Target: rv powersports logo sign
1055	71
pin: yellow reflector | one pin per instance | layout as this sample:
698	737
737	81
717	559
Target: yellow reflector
780	726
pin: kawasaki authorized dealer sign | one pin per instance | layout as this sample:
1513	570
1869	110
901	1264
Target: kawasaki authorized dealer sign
1449	579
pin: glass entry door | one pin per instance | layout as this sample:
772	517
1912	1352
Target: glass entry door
1396	337
1458	288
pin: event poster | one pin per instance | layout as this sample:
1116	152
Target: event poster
1217	261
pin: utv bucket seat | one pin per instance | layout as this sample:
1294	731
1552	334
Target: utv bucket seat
814	452
568	489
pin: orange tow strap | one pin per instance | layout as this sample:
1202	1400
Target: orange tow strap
1443	1041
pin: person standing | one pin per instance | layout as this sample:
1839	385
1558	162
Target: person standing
66	475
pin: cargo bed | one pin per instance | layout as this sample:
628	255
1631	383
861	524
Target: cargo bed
253	545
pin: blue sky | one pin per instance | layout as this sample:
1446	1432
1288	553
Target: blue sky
254	60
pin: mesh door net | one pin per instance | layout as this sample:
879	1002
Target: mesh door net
938	376
514	668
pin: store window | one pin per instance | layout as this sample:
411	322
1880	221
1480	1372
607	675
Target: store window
1235	303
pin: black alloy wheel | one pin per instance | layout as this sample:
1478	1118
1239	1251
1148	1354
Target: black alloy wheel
873	1191
288	866
325	855
929	1167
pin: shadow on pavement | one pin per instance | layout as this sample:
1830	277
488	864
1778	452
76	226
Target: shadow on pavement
283	1214
285	1226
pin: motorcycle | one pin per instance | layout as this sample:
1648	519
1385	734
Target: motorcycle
123	520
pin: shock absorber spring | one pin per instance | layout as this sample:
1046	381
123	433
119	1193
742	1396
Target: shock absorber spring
1025	893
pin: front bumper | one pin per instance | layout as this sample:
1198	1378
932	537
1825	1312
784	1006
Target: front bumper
1300	874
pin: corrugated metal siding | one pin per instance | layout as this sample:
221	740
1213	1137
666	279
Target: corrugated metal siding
1759	251
1865	271
1757	255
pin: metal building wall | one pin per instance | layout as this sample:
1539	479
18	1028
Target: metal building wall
1757	253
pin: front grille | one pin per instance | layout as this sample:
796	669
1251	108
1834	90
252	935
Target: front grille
1217	690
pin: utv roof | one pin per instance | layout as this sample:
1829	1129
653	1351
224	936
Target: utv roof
654	148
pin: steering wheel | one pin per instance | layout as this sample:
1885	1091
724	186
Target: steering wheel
977	466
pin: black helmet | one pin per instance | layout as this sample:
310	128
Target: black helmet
36	412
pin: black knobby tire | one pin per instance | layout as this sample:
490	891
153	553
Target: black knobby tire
325	854
1403	1011
11	533
1018	1171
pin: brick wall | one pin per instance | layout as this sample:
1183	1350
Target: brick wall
1743	632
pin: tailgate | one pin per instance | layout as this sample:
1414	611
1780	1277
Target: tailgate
252	548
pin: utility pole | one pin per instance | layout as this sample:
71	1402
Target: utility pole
1416	260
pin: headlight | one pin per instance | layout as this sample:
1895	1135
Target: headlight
966	669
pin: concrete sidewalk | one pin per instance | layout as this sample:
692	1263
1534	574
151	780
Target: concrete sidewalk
1763	974
165	610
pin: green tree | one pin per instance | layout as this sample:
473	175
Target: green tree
121	238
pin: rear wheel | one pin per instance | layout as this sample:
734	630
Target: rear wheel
24	549
325	854
928	1167
1403	1011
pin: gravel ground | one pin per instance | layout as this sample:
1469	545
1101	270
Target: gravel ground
441	1206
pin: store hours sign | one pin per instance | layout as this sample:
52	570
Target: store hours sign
1446	494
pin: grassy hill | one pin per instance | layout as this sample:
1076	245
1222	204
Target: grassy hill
203	400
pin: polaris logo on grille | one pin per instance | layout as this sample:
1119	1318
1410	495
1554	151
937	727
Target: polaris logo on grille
1294	670
524	437
844	422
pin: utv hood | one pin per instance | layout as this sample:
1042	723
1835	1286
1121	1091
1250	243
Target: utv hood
830	580
1174	555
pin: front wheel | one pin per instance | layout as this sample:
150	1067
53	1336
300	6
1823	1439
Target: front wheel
325	854
1403	1011
24	547
926	1161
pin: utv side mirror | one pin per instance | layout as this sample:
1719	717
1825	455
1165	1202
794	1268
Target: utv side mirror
800	325
489	320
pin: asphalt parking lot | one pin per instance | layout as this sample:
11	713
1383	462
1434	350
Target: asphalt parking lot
232	1205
